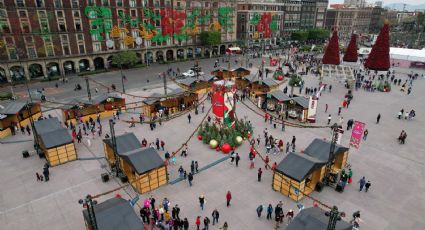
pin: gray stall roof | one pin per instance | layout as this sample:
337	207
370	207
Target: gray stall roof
251	78
269	82
143	160
280	96
115	214
12	107
298	166
320	149
302	101
51	132
56	138
125	143
47	125
314	219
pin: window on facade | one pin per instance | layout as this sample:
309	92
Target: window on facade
12	54
20	3
50	51
1	3
74	4
81	48
105	2
90	2
4	26
41	14
60	14
76	13
178	4
3	13
31	52
119	3
97	47
78	26
133	13
22	14
28	40
66	49
58	3
62	27
39	3
132	3
26	27
44	25
80	37
64	38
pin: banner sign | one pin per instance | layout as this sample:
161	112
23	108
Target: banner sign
356	134
312	108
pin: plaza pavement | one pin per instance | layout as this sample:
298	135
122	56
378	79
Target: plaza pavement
395	200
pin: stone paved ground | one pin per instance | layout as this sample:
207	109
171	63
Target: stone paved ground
395	200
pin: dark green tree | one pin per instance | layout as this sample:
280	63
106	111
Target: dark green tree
299	35
210	38
318	34
125	58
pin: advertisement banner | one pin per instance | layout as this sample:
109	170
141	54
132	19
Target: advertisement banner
312	109
356	134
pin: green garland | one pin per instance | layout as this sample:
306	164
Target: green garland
225	135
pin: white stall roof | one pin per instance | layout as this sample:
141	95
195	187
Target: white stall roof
408	54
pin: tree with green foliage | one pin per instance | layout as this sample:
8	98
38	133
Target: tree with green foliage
318	34
299	35
295	81
125	58
210	38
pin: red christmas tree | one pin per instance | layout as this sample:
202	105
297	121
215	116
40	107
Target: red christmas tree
379	57
332	51
351	54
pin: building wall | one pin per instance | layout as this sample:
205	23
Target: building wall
349	20
53	32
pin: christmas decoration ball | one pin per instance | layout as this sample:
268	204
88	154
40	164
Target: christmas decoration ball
200	137
239	140
213	144
217	149
226	148
280	77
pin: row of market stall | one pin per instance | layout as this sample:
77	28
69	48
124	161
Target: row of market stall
17	114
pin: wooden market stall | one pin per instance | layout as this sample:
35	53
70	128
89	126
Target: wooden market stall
299	173
200	86
169	104
104	105
276	101
297	108
259	87
17	114
55	141
114	213
230	74
315	218
144	168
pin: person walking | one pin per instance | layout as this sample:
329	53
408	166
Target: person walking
326	108
259	210
290	215
201	201
269	212
46	173
198	222
196	167
293	141
362	183
365	133
339	111
367	185
378	118
190	179
259	174
228	198
192	167
189	117
237	159
185	224
206	223
329	119
283	127
215	215
266	162
225	226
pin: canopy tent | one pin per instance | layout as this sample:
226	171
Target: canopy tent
412	55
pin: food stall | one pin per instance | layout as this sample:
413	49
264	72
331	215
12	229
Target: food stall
144	168
55	141
200	86
298	174
230	74
17	114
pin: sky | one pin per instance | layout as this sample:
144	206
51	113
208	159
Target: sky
411	2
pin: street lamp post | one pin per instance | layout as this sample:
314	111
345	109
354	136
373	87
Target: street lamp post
114	146
89	204
334	129
88	88
122	79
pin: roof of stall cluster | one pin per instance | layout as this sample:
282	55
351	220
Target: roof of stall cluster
52	133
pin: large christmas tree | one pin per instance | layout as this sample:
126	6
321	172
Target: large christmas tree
379	57
351	54
332	51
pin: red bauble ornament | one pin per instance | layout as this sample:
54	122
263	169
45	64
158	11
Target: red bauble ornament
217	149
280	78
200	137
248	135
225	148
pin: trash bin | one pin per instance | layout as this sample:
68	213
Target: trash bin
25	154
105	177
124	178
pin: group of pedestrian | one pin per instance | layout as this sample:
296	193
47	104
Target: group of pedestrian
279	214
364	184
46	173
408	115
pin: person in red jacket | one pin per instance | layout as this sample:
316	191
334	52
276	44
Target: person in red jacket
198	222
228	198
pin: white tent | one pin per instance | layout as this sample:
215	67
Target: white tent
412	55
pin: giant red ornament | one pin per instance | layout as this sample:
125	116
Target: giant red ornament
332	51
280	78
200	137
226	148
379	57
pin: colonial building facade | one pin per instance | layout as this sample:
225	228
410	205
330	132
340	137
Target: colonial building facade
40	38
268	22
